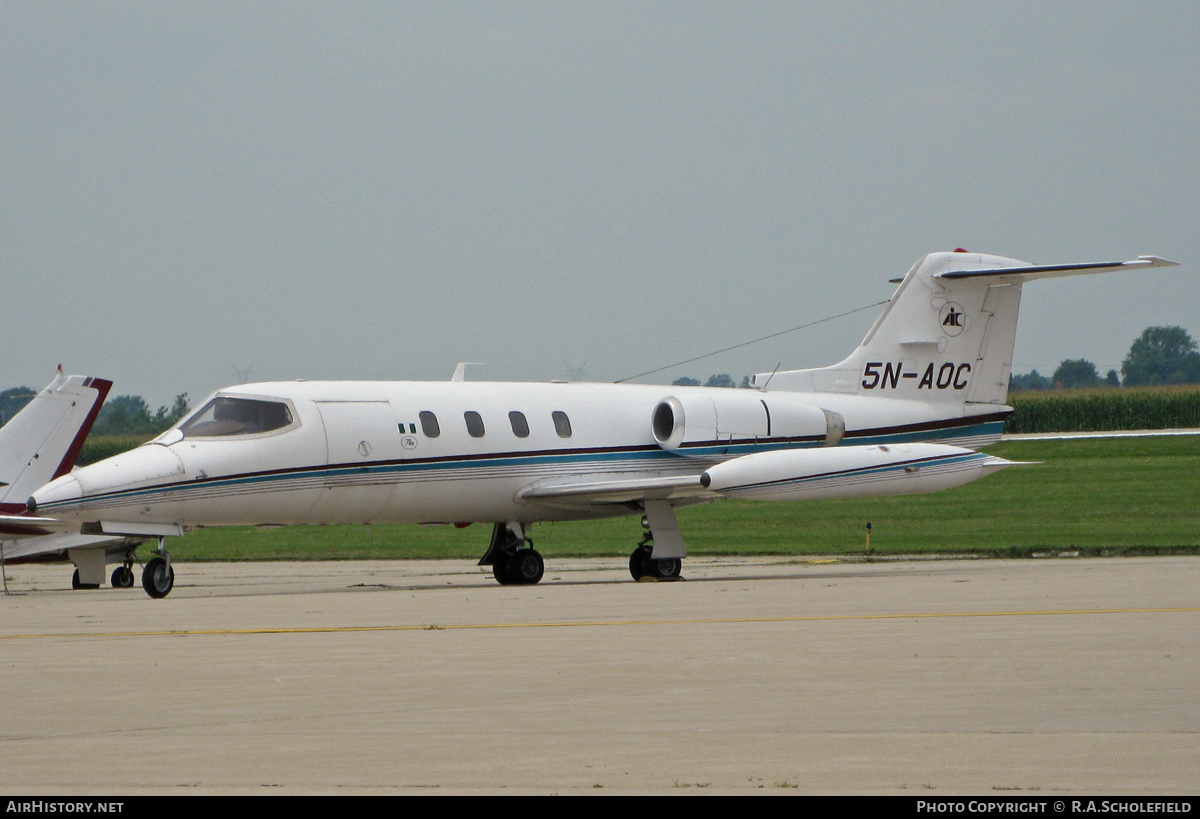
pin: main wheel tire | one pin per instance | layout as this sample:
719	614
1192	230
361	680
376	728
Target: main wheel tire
638	562
500	570
75	584
122	578
158	578
668	568
526	567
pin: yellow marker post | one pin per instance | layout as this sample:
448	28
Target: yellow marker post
868	535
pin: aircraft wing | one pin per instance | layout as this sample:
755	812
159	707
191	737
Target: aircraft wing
787	474
17	527
618	491
13	527
60	543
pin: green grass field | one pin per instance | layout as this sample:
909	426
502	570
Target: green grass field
1108	495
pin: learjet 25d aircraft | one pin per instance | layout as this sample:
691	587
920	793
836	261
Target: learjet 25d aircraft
40	443
903	414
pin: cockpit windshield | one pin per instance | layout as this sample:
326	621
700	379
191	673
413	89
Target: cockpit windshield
225	415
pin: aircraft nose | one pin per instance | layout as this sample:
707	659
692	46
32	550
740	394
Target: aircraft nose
93	490
62	490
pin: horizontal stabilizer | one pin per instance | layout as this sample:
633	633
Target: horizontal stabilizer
1049	271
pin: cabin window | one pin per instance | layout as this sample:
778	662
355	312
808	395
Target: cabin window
474	424
429	424
226	415
562	424
519	425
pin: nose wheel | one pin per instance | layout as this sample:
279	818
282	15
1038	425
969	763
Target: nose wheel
158	578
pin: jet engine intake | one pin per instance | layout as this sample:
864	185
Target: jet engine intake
669	422
710	418
717	417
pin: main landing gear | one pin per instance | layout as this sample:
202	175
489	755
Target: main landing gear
122	576
89	569
77	584
158	578
660	554
658	557
644	567
513	559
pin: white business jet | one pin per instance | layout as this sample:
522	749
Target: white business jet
901	415
41	443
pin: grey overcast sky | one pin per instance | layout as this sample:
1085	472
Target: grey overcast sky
381	190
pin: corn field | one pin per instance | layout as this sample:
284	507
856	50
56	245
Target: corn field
99	447
1121	408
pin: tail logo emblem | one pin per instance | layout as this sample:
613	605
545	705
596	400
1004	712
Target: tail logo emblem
953	319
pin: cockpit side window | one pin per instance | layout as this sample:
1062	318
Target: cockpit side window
226	415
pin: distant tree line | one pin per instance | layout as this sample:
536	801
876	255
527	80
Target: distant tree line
715	380
130	415
123	415
1073	373
13	401
1160	355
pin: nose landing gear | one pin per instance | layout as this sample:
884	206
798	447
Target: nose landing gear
158	578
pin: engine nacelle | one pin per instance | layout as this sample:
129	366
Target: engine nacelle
849	472
741	416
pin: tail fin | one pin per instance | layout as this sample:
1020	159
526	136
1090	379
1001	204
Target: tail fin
947	334
42	441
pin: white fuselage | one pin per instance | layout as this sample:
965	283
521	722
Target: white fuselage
363	452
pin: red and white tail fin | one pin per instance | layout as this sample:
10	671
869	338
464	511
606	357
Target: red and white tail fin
946	336
42	441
